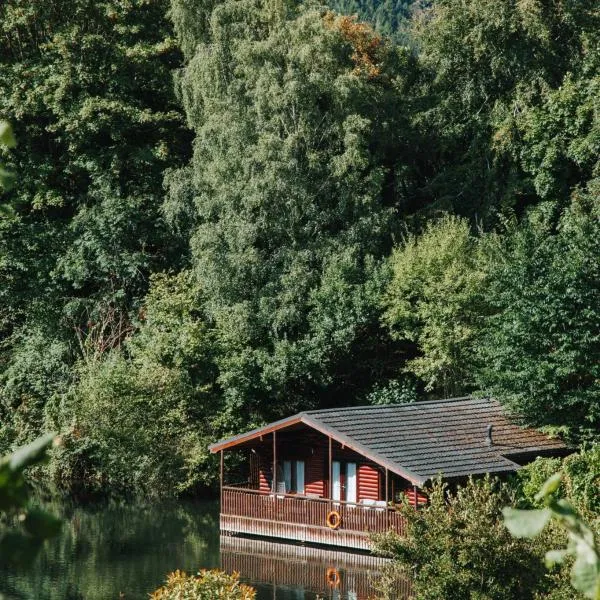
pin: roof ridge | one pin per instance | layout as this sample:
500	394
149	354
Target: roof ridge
381	406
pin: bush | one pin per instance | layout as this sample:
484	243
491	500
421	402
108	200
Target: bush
580	482
459	548
207	585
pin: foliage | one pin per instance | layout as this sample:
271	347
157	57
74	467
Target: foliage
459	548
297	147
396	391
141	419
291	195
207	585
585	573
539	351
389	17
580	479
87	87
434	300
7	140
19	546
507	101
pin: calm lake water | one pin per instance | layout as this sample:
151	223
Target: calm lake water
124	551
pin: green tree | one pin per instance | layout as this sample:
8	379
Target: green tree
290	195
140	419
459	549
539	351
88	88
582	545
434	299
506	108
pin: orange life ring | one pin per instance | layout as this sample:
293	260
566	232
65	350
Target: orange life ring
333	577
333	519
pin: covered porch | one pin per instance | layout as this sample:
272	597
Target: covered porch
295	483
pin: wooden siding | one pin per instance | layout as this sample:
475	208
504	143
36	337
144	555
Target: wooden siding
315	473
303	519
313	450
265	472
421	497
369	484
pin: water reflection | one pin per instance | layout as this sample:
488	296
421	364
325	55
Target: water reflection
292	572
125	551
108	550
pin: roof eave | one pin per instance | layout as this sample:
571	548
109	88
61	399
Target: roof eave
254	433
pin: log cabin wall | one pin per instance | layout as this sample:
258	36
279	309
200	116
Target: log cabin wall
312	447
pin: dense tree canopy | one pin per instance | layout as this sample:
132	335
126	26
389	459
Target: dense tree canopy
228	211
292	189
88	89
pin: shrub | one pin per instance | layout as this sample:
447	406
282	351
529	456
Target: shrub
207	585
580	482
459	548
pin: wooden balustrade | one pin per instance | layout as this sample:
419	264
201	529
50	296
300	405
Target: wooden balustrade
304	510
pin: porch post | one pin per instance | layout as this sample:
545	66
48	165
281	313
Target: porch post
274	462
330	474
387	510
416	502
221	480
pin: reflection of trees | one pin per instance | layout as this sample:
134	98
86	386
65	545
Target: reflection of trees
104	550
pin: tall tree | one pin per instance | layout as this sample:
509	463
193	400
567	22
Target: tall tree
488	70
290	196
539	350
88	88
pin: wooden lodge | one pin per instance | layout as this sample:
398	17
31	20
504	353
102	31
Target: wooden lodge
334	476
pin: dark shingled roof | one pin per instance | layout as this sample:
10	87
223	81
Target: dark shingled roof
421	440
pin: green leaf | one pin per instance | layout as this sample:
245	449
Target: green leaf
555	557
552	484
7	179
585	575
525	523
31	454
7	137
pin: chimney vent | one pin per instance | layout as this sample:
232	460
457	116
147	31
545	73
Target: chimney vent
488	435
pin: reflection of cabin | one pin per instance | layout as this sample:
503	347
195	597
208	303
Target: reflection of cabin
333	476
291	570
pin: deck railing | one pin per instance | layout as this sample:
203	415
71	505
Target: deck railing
305	510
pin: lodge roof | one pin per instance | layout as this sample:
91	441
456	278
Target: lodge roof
422	440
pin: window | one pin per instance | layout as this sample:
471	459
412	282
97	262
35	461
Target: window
343	476
293	476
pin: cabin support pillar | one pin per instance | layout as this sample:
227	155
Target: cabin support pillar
387	509
221	479
330	482
275	462
416	501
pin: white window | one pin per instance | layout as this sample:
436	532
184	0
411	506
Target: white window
293	476
287	475
351	482
300	476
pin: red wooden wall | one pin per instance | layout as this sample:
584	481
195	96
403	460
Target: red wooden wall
369	482
312	447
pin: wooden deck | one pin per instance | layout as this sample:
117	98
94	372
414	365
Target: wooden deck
301	518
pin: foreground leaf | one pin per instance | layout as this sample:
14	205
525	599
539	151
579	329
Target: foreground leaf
526	523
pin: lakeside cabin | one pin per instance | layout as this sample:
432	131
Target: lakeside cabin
333	476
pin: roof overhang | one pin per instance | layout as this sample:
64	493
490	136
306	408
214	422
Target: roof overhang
327	431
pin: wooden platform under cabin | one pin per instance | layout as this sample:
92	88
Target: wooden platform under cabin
304	519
